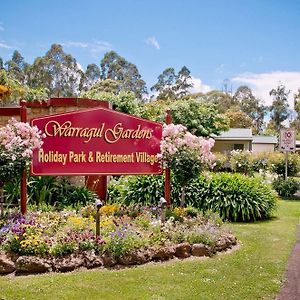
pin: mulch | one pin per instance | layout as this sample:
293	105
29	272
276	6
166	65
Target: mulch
291	286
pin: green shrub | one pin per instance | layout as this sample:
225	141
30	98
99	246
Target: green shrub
240	161
235	197
260	161
285	188
221	162
140	189
277	163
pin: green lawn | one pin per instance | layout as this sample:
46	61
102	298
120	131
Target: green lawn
254	271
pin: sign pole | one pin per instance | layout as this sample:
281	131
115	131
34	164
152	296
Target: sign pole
168	171
23	115
286	165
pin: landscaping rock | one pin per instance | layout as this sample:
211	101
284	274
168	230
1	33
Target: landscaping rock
134	258
32	265
6	265
163	253
183	250
200	250
91	260
108	260
68	263
225	241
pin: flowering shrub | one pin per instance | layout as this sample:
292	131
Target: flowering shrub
17	141
184	153
240	161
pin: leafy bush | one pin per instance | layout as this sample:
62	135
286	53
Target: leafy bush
277	163
235	197
240	161
50	190
221	162
285	188
141	189
260	161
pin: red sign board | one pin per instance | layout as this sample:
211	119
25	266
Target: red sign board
97	142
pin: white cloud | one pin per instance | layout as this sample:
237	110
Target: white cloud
262	83
152	41
199	86
95	48
4	45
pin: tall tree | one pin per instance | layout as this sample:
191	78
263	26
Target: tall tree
90	77
115	67
1	63
222	101
183	82
16	67
252	106
279	108
56	71
165	86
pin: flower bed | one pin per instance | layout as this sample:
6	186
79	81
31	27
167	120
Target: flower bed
63	241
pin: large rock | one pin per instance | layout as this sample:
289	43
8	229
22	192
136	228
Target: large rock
183	250
108	260
32	265
135	258
68	263
6	265
225	241
91	260
200	250
163	253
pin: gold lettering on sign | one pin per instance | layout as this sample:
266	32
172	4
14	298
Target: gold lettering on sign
119	132
53	128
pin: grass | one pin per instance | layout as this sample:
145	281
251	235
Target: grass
255	271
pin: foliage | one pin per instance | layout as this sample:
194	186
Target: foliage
115	67
199	117
240	161
238	119
57	71
277	163
285	188
221	162
136	189
279	107
172	86
184	153
251	106
235	197
17	141
124	101
260	161
62	233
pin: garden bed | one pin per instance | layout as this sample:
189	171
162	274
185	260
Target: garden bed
64	241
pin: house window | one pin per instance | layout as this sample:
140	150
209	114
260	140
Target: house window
238	147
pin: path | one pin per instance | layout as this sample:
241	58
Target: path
291	287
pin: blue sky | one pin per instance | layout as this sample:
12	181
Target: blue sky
248	42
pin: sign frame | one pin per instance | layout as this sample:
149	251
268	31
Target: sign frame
148	136
287	140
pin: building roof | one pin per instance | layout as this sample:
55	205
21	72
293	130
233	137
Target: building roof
235	134
264	139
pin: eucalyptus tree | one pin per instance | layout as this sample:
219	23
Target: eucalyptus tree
279	108
117	68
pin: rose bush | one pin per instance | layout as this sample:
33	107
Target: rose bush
17	141
185	154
